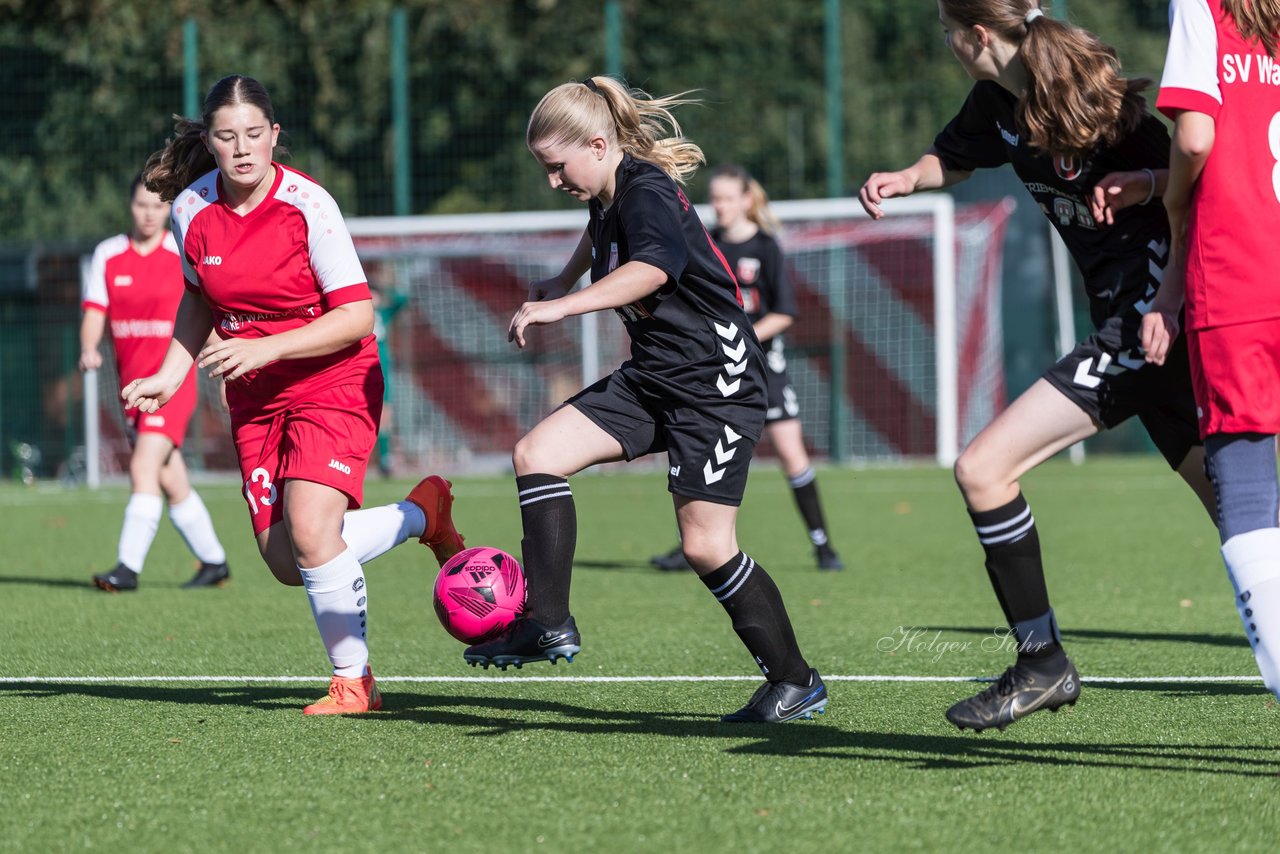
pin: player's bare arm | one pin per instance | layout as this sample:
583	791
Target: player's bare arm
772	324
559	285
927	173
1119	190
191	327
337	328
633	281
92	328
1193	137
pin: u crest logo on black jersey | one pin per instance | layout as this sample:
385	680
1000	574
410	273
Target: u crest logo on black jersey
1068	168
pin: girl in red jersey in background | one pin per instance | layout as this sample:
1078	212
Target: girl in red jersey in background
270	266
135	281
1223	202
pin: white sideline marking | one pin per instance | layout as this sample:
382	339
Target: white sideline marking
56	680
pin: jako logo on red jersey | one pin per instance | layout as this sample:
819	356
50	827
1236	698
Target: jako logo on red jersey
1068	168
345	469
212	260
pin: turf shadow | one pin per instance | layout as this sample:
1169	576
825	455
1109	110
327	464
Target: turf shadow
253	696
47	582
589	563
495	716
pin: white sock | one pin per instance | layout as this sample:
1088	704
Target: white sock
378	530
191	518
141	521
1253	565
337	594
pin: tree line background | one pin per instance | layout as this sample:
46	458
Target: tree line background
91	86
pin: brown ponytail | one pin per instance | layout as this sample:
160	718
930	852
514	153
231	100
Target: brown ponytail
1075	98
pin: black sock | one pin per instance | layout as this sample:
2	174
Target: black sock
754	604
1012	545
550	537
804	488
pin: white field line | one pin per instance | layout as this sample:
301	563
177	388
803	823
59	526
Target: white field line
484	680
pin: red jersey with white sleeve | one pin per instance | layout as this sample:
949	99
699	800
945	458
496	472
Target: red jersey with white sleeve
1232	245
276	268
139	295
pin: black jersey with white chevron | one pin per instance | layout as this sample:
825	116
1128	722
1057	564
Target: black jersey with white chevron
691	341
985	133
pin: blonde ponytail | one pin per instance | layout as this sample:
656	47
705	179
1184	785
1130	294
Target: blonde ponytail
640	125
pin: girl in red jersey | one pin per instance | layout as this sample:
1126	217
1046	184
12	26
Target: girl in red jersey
1049	100
1221	87
270	266
693	387
135	283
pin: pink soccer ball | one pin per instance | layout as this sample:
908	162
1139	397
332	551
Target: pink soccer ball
478	593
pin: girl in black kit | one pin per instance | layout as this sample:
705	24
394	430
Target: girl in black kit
1049	100
745	233
693	387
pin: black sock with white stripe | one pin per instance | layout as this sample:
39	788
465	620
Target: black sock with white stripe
804	487
550	537
754	604
1008	536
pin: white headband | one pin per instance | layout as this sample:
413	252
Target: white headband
1032	15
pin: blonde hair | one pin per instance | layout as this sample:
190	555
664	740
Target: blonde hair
185	158
1256	20
640	125
760	213
1076	98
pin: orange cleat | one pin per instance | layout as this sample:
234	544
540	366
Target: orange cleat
348	697
433	496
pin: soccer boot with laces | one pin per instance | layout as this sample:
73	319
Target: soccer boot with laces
827	559
1020	690
672	561
776	702
209	575
119	580
348	697
527	640
434	496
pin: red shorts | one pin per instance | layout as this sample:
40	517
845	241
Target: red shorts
1235	371
171	419
325	439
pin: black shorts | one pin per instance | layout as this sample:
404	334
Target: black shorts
1106	377
709	448
783	403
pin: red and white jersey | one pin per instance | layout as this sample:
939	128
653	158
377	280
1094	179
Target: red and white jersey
140	296
276	268
1232	245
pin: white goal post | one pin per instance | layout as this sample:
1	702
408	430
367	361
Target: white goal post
895	354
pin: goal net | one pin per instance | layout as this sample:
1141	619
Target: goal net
895	353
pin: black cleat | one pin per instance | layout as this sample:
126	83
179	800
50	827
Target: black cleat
672	561
827	558
775	702
209	575
1018	692
527	640
118	580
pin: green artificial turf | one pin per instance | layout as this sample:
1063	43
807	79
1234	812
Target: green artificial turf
94	757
